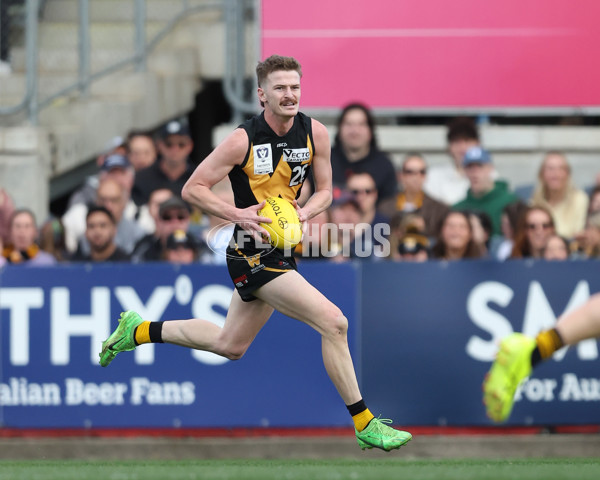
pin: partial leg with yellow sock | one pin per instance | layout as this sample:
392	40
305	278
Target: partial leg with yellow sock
372	432
519	354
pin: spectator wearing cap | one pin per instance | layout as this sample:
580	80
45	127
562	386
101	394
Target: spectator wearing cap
172	169
115	198
173	214
181	248
448	183
100	233
485	194
115	167
118	168
148	213
413	247
412	198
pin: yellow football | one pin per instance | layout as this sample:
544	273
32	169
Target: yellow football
285	229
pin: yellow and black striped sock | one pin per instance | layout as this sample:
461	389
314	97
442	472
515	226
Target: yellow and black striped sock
361	416
148	332
547	343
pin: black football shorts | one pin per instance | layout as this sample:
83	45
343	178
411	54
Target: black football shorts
251	268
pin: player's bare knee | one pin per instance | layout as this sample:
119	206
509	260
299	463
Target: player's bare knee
231	352
336	324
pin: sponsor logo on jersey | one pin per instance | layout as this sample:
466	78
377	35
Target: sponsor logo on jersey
296	155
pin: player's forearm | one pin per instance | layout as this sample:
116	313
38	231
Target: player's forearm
203	198
319	201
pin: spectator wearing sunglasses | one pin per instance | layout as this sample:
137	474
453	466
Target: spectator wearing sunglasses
412	198
373	226
172	169
534	229
173	214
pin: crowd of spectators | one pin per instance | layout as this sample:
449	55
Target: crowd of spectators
132	210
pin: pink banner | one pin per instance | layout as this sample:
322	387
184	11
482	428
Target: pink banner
439	53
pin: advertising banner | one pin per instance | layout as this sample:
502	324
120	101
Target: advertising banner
422	337
430	331
435	53
53	321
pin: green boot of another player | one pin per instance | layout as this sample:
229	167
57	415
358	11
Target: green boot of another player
512	365
378	435
122	339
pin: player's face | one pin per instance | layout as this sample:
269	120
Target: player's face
281	93
100	231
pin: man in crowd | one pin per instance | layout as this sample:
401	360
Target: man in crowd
115	198
100	232
412	198
448	183
181	248
172	169
485	194
355	151
373	227
173	214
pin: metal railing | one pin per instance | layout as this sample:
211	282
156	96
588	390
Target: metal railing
235	14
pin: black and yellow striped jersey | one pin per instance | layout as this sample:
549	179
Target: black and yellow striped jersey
274	166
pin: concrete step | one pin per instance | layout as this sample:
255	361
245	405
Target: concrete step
102	34
122	10
53	61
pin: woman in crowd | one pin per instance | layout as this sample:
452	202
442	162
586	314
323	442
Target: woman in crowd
557	248
555	191
587	243
455	238
535	227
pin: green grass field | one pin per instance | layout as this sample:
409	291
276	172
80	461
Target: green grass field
534	469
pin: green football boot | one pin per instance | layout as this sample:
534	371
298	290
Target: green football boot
378	435
122	339
512	365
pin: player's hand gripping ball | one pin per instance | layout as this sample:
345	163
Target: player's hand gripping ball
285	229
